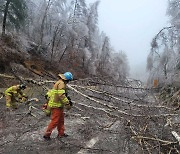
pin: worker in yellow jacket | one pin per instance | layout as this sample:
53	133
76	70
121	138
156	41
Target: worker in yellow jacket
12	93
57	102
45	106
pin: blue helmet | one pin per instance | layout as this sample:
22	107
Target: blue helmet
66	76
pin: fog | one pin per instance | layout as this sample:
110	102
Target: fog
131	25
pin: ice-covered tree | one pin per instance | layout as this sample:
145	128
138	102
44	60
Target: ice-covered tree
14	14
164	58
66	33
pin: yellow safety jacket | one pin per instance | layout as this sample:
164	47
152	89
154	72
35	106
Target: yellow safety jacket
57	95
14	91
48	94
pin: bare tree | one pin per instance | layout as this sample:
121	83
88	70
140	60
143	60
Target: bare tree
15	12
43	21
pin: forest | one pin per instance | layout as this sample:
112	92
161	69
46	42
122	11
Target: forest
111	112
59	30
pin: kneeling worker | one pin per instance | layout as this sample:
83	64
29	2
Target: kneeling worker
12	93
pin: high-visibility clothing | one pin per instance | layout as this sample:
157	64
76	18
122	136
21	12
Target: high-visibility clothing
48	94
60	102
11	93
57	120
47	111
57	95
45	107
57	102
14	91
10	102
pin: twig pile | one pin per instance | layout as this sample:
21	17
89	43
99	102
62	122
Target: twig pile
113	119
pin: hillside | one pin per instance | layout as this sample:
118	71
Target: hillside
20	56
107	116
111	113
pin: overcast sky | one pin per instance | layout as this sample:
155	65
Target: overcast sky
131	25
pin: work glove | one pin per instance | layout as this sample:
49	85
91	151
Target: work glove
47	112
24	98
67	106
8	105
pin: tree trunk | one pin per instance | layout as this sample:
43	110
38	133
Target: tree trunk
43	21
56	32
63	54
5	17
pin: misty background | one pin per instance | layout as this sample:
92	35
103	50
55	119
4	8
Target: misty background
107	45
113	39
131	25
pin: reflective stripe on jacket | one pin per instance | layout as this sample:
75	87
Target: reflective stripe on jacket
14	91
55	103
11	91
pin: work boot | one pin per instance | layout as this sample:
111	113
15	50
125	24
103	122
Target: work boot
62	136
47	138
